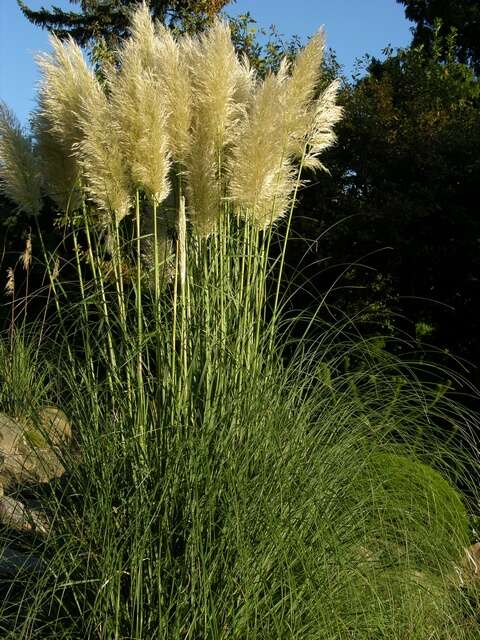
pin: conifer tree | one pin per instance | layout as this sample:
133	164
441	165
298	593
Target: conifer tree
106	21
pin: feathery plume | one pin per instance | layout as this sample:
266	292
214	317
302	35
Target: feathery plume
215	71
309	122
140	110
216	76
307	70
245	85
141	118
59	169
99	154
326	113
300	90
56	269
140	49
260	172
26	257
66	83
176	86
284	123
150	151
10	285
203	187
19	175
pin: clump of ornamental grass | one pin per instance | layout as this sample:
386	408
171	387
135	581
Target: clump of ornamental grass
316	514
179	125
224	491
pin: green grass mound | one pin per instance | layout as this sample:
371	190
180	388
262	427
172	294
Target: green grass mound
416	530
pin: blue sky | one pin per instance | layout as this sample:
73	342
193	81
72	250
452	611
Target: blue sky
354	27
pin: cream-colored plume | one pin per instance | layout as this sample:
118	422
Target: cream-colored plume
26	257
217	76
140	49
310	122
307	71
300	90
326	113
19	174
10	284
149	152
188	106
139	108
260	172
203	189
176	86
58	168
216	72
245	85
100	157
66	83
141	117
284	123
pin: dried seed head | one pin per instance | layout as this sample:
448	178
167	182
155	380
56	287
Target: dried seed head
325	114
56	269
141	118
300	90
66	82
139	50
10	286
26	257
203	188
140	111
216	74
149	153
246	85
284	123
59	169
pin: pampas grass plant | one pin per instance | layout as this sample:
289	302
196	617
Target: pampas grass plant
222	491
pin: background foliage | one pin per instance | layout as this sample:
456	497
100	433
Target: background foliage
402	198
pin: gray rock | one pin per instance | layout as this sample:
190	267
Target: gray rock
29	454
29	451
15	515
12	561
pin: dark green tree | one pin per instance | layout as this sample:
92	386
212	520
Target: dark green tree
107	21
402	199
463	16
99	25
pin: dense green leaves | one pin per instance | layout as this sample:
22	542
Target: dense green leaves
402	198
463	16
